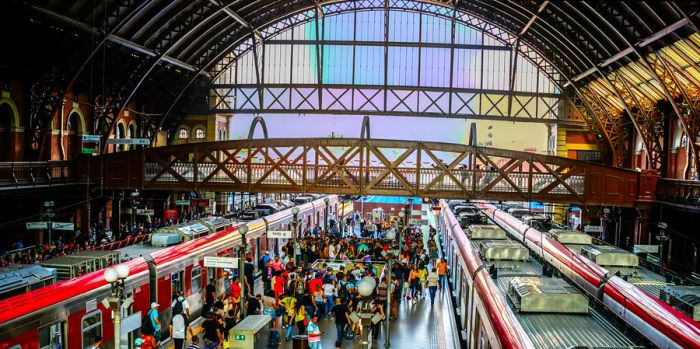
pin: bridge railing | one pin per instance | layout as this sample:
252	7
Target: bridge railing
370	166
678	191
35	173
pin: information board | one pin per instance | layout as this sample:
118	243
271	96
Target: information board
279	234
220	262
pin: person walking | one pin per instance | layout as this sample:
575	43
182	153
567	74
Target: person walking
377	308
442	273
313	333
178	329
433	280
155	321
213	338
342	319
195	343
235	294
329	291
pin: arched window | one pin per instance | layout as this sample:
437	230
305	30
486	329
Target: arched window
199	133
183	134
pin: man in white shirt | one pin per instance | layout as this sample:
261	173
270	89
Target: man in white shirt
185	305
331	251
178	329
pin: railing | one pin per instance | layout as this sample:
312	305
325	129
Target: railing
369	166
35	173
678	191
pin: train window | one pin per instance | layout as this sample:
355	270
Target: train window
51	336
16	346
196	279
178	282
91	328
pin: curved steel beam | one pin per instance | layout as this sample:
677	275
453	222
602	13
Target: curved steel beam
257	120
365	130
107	38
654	73
155	64
235	43
577	52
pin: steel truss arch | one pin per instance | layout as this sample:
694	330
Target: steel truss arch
250	98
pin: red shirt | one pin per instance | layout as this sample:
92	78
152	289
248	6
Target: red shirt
315	284
235	290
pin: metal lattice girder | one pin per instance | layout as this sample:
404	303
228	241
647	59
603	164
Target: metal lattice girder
609	124
366	166
399	100
643	118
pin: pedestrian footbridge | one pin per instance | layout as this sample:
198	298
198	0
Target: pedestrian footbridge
368	167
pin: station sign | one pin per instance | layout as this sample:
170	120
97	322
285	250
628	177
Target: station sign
182	202
37	225
419	213
646	249
279	234
62	226
90	138
593	229
415	221
145	212
129	141
220	262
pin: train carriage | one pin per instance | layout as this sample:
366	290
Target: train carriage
72	313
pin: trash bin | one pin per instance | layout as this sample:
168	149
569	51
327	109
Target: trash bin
300	342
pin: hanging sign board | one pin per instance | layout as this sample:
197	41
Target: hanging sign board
182	202
646	249
129	141
279	234
418	221
37	225
144	212
90	138
593	229
62	226
220	262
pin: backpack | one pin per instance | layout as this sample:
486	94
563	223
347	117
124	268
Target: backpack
177	308
146	324
343	291
299	287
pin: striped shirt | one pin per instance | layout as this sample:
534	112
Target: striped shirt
313	332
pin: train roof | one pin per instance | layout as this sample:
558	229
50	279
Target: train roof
551	329
17	306
21	275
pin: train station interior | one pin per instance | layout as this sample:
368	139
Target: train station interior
264	174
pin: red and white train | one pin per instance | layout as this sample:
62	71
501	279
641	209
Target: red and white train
70	314
663	325
484	312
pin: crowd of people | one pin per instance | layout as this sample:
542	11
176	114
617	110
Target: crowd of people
316	278
97	236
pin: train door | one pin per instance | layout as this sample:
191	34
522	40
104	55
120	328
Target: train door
178	282
52	336
127	313
195	298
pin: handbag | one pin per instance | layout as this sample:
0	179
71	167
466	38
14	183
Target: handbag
354	317
377	318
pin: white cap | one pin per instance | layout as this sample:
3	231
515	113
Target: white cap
154	305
